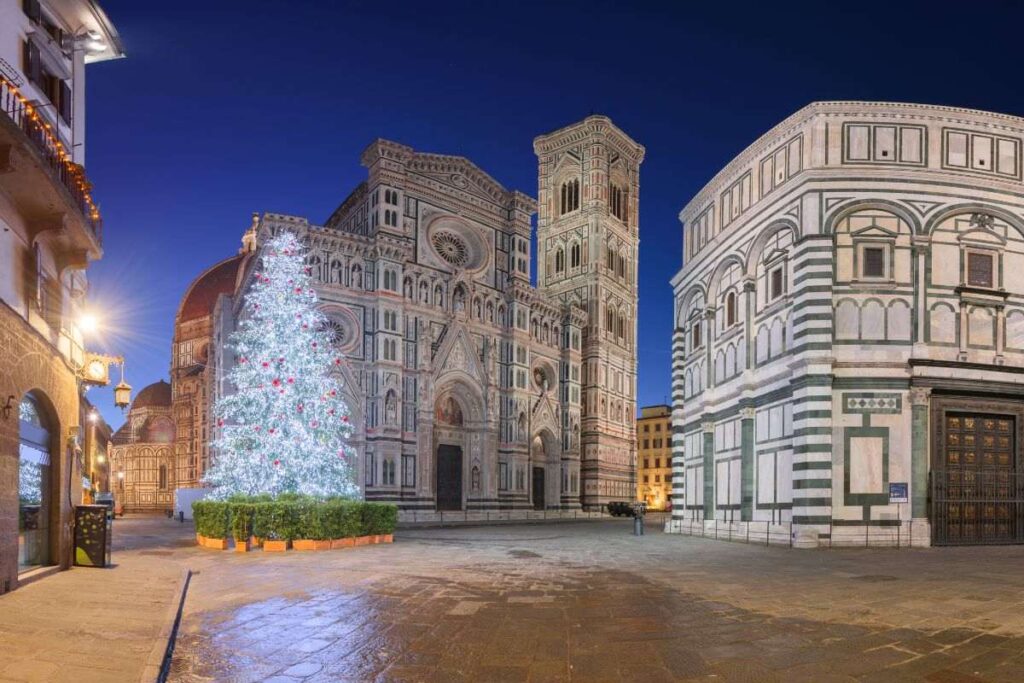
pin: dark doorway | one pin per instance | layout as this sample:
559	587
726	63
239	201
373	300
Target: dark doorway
538	488
976	487
449	478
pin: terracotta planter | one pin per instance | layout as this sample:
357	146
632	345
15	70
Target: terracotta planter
242	546
387	538
200	540
339	543
303	544
321	545
363	540
274	546
255	542
216	543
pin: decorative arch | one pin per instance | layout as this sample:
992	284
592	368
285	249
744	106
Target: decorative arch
1013	220
757	247
846	209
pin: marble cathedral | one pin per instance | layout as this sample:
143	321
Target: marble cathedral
471	388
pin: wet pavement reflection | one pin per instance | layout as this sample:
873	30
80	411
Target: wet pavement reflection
589	603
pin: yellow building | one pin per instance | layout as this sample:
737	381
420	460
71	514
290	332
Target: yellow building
654	456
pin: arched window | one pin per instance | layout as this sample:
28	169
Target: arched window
610	260
609	320
695	335
730	309
617	204
162	482
574	253
570	196
621	266
559	260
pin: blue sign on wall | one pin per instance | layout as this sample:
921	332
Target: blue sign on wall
898	492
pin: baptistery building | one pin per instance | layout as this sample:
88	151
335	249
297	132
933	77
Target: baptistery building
849	332
471	388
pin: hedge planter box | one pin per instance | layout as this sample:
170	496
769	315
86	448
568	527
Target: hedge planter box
385	538
363	540
307	544
275	546
340	543
213	543
242	546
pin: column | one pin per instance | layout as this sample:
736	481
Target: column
747	464
678	453
709	469
919	398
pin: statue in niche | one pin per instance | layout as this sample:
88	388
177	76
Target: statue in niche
476	478
391	408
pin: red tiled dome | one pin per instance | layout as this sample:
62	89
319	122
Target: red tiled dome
156	395
203	293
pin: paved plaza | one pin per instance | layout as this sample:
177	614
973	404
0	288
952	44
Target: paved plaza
580	601
587	601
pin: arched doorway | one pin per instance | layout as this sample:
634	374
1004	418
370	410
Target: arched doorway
544	468
35	482
449	422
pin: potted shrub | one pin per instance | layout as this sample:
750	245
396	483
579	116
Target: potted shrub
379	520
241	525
211	522
281	524
309	528
343	522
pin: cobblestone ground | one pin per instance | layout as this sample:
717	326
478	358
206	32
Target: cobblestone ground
587	601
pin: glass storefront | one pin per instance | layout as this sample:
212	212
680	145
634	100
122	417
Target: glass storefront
34	489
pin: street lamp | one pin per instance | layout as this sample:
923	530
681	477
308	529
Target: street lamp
88	322
122	392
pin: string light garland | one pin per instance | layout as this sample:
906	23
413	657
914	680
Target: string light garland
285	429
74	169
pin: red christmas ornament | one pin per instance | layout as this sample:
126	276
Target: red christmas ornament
265	364
256	427
220	423
291	380
314	345
243	360
333	392
314	424
298	290
337	361
271	430
276	463
276	382
344	418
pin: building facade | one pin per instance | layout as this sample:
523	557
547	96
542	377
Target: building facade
849	330
191	374
588	230
654	457
466	383
50	230
142	456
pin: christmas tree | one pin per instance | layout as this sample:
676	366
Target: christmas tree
285	427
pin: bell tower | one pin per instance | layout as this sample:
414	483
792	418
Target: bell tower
587	243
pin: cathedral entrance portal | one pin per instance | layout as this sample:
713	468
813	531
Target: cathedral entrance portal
449	477
538	488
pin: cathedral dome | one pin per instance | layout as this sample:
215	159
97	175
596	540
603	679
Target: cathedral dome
202	294
156	395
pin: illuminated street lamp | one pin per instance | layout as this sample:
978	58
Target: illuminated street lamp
122	392
88	323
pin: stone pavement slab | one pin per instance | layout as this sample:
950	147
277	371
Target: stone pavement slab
89	624
590	602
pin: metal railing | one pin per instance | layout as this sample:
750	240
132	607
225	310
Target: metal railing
34	126
888	533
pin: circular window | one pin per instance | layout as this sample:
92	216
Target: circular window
450	247
457	245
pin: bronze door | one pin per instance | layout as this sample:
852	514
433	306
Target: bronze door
976	487
449	478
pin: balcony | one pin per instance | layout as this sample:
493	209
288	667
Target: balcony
37	171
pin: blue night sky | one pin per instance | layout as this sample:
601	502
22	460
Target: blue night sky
225	108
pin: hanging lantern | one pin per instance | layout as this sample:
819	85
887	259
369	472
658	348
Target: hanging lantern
122	392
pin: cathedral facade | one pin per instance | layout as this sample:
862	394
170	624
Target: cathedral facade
470	388
849	333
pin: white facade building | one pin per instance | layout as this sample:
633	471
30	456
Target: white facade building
850	317
471	389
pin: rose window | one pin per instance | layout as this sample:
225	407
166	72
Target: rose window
451	248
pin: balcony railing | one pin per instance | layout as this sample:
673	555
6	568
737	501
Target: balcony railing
28	118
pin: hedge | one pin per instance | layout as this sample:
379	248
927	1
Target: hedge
292	517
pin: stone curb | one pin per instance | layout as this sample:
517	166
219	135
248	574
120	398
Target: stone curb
158	662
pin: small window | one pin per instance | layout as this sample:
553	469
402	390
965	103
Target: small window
696	336
979	269
775	288
874	262
730	310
